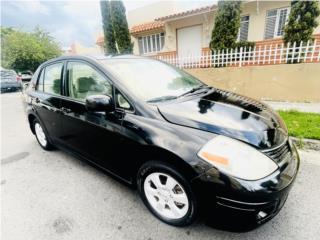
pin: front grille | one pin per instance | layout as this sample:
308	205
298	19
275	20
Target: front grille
280	154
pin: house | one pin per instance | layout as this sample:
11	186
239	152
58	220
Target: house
159	30
77	48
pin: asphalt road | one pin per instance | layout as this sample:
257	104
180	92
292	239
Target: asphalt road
51	195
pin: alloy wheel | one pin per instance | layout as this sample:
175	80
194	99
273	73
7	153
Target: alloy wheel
40	134
166	195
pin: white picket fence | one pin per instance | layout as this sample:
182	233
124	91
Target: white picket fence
259	55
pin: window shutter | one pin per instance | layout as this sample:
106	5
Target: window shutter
154	45
270	24
161	40
140	45
283	13
149	43
244	28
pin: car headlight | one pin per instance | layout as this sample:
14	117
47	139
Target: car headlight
237	158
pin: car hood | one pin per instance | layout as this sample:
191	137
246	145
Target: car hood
228	114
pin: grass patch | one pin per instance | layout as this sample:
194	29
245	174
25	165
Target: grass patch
302	124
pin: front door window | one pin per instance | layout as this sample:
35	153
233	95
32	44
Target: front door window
85	81
50	79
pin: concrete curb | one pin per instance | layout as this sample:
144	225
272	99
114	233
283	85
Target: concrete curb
307	144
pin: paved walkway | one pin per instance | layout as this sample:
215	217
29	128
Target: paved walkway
302	107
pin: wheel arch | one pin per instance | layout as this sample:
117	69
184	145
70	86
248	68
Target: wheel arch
154	153
31	118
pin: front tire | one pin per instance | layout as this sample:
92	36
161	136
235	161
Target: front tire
166	193
41	136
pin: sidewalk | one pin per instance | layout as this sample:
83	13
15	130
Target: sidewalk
301	107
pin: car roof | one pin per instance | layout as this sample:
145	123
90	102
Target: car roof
96	57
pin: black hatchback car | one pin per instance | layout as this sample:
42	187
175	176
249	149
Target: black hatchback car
189	148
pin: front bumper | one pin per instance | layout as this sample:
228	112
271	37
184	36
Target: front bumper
255	202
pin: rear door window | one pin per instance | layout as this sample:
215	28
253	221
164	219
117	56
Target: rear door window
52	78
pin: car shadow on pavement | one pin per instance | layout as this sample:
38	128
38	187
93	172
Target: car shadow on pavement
14	158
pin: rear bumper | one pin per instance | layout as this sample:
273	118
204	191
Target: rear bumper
6	87
253	201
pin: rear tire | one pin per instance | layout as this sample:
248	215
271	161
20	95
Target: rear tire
167	193
41	136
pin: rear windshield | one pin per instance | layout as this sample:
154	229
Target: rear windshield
8	75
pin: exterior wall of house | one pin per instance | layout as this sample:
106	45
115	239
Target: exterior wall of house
149	12
77	48
257	11
158	9
205	20
256	25
134	40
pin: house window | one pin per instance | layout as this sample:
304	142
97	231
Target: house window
151	43
244	28
275	22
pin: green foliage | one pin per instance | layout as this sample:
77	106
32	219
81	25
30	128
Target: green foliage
302	124
245	44
109	38
26	50
302	21
227	23
120	27
5	31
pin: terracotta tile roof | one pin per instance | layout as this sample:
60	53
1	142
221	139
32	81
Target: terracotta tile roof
147	26
187	13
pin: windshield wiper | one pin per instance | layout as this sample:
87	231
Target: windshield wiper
171	97
195	89
162	98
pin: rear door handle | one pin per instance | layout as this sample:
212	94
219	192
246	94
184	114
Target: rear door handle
65	110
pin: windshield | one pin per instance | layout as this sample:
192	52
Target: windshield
150	79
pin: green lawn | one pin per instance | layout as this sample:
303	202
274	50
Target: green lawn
301	124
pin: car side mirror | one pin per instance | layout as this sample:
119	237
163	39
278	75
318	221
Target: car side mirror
99	103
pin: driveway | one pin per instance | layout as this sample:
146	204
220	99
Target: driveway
52	195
